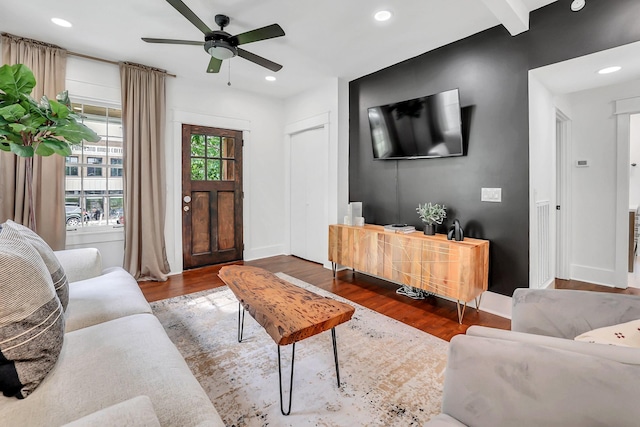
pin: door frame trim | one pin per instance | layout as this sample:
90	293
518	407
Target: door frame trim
173	150
563	180
310	123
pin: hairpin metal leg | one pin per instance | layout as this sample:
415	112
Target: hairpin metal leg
460	313
293	354
335	353
334	268
240	321
478	301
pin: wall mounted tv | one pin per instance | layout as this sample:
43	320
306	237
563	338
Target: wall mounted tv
426	127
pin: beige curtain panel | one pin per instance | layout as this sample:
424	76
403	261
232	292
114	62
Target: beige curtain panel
48	64
143	120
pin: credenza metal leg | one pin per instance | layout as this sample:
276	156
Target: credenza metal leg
460	313
478	301
293	354
334	268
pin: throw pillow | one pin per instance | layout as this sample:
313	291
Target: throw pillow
60	282
31	317
625	334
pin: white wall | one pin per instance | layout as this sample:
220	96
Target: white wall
542	169
634	157
593	189
331	98
263	156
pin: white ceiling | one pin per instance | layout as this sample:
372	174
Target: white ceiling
328	38
582	73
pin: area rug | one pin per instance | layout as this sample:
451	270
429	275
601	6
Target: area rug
391	374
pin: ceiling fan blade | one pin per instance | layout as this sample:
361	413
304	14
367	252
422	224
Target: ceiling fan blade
259	60
188	13
268	32
214	65
171	41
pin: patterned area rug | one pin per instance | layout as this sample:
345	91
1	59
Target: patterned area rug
391	374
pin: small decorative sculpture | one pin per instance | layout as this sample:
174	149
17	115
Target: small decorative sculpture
456	232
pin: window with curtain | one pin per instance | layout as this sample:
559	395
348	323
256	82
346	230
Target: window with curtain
93	171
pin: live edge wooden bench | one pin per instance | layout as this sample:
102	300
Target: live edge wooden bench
287	312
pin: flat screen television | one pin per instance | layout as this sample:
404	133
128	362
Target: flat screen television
426	127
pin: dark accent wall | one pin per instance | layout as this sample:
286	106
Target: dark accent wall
491	71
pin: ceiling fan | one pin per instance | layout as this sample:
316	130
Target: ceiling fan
220	44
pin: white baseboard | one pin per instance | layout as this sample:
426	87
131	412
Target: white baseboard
263	252
494	303
598	276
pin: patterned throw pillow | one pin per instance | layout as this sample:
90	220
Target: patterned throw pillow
60	282
625	335
31	317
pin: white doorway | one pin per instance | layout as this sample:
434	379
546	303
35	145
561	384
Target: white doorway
309	189
634	195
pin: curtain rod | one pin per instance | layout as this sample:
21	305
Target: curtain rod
81	55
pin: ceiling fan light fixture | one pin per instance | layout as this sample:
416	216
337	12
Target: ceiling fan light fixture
577	5
221	52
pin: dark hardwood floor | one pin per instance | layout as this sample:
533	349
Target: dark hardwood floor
433	315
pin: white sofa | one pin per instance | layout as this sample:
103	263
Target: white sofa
536	374
117	365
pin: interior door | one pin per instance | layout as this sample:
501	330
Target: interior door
309	181
211	195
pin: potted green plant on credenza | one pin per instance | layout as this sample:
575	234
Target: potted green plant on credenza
431	214
30	128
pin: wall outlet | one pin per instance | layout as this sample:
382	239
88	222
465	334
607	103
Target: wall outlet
491	195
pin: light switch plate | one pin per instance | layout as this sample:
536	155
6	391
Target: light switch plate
491	195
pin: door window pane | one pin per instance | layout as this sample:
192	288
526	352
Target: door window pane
228	170
213	170
197	169
197	145
213	146
228	147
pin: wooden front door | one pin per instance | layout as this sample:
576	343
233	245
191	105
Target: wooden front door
211	195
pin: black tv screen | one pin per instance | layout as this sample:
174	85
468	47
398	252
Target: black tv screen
426	127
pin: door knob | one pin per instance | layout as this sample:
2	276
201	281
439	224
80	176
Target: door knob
186	208
187	199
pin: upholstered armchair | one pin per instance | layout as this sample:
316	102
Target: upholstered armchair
536	374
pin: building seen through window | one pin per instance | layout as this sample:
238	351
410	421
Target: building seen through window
93	181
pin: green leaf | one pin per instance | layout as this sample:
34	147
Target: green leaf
75	133
63	98
18	127
21	150
5	145
59	147
44	150
59	110
16	79
32	121
12	113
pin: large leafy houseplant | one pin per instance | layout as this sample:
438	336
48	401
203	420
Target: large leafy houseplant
30	128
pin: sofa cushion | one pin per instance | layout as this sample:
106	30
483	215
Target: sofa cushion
31	318
623	334
135	412
60	282
110	296
110	362
80	264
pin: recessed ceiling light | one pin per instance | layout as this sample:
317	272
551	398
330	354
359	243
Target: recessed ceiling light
383	15
609	70
577	5
270	79
61	22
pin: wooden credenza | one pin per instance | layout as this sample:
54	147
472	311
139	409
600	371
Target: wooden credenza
458	270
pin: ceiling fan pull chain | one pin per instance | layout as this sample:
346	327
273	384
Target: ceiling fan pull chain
229	79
